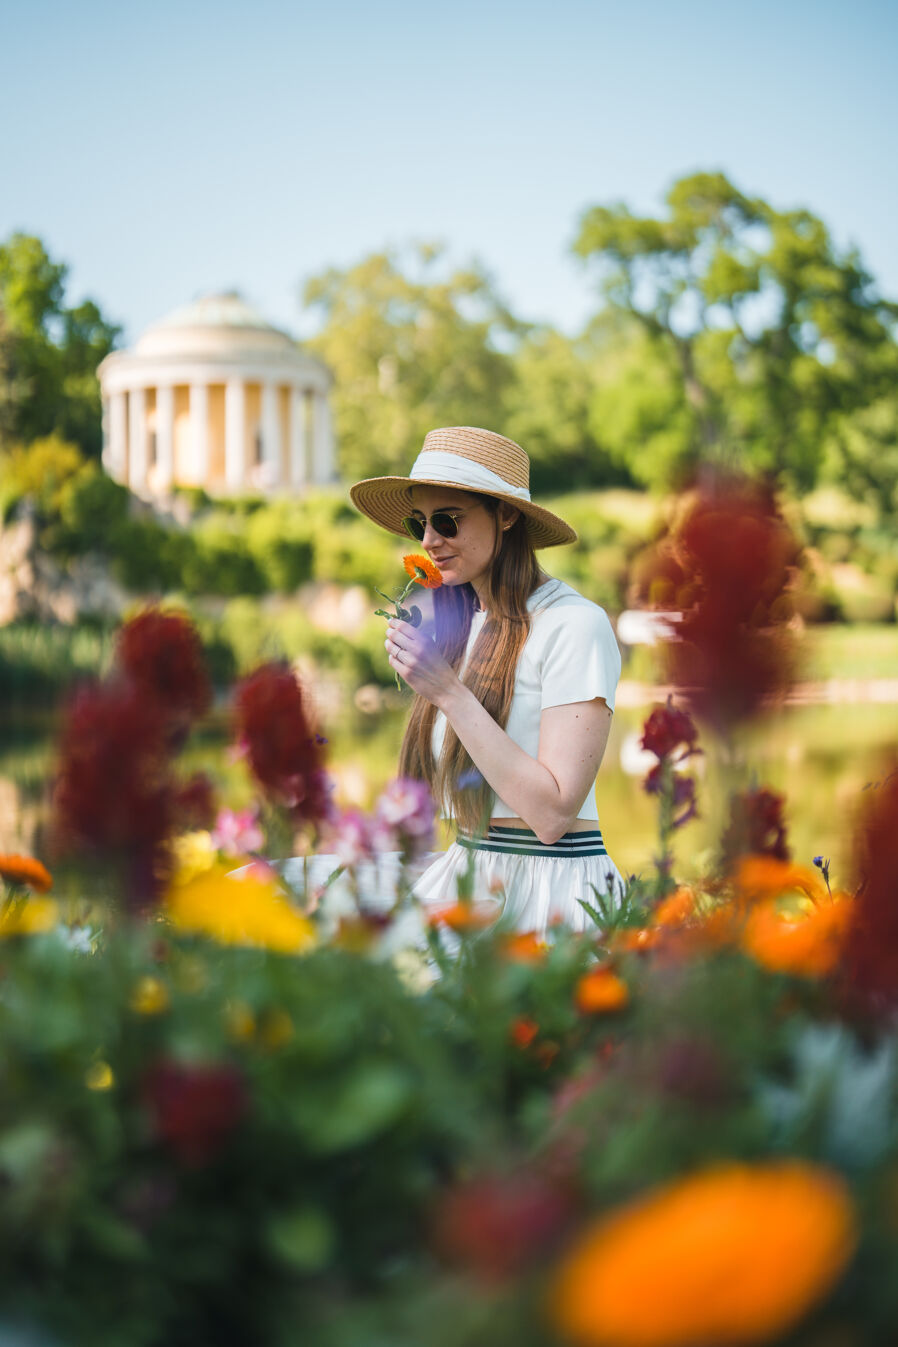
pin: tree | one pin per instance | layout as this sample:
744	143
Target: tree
412	346
766	331
49	352
549	411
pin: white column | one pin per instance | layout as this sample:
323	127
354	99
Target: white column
105	457
165	436
322	440
271	437
199	434
117	464
235	434
298	472
137	435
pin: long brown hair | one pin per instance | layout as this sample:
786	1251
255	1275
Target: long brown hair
490	673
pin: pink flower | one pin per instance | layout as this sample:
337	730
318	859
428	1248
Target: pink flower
406	808
237	832
352	839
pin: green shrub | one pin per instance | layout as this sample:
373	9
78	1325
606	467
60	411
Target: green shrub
280	540
219	560
41	470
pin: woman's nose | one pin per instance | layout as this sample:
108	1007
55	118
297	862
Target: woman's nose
431	538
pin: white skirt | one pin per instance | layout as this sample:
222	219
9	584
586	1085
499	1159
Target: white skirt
534	885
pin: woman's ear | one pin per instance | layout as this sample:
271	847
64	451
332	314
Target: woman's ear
507	515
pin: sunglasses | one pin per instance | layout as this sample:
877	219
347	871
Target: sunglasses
443	522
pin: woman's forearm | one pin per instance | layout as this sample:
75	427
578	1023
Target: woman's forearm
525	785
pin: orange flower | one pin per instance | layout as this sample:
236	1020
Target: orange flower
675	909
600	991
736	1254
461	917
524	947
805	944
632	939
523	1031
421	569
25	870
760	877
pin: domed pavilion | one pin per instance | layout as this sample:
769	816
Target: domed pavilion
213	396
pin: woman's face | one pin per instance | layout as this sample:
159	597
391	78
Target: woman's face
466	558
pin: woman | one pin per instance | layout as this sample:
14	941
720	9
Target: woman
514	689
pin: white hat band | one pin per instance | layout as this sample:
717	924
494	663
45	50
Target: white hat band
462	472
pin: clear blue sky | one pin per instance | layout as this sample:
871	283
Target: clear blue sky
169	149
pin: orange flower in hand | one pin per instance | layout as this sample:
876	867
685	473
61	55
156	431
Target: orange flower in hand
27	871
421	569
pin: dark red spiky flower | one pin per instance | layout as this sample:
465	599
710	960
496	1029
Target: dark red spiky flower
194	1107
871	953
161	654
284	751
756	825
725	570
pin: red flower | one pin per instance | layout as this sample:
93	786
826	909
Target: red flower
194	1108
666	730
756	826
496	1224
283	749
195	802
162	655
734	557
113	790
682	790
871	954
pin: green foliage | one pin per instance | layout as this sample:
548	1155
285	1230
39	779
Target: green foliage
412	345
43	472
49	351
768	335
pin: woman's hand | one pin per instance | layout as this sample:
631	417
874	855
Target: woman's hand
415	657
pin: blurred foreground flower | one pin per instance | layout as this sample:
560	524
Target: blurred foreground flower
731	1255
114	793
25	872
494	1225
872	947
284	751
404	817
756	826
237	832
33	916
725	571
808	942
670	734
248	909
194	1107
601	992
162	655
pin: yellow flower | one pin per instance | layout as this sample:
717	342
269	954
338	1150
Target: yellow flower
30	917
736	1254
240	1021
193	854
239	910
805	943
150	997
99	1076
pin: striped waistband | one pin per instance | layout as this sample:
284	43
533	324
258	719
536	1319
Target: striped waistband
523	842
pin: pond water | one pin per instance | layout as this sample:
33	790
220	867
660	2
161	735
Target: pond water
821	757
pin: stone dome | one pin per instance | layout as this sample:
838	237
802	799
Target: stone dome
214	325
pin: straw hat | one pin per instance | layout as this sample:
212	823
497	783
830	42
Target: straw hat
468	459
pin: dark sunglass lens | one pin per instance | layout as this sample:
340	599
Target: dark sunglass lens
415	528
446	525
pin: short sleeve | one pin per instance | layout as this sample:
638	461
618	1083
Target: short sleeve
580	658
